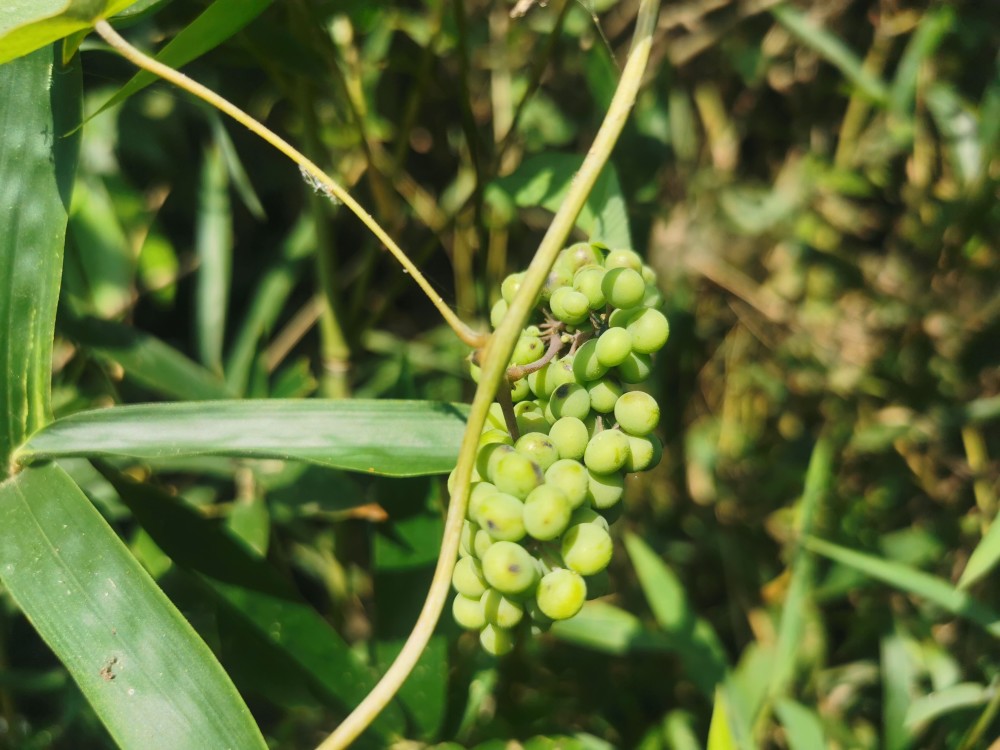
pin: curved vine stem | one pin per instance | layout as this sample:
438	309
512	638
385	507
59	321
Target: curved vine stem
312	173
496	355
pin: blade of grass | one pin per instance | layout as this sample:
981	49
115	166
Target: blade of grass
802	565
916	582
830	48
219	22
694	639
147	674
984	557
214	248
146	359
39	105
803	728
255	592
396	438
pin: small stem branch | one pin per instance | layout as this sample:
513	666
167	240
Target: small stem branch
555	346
498	349
331	188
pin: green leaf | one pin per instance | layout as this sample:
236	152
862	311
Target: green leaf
147	674
606	628
803	729
693	639
900	675
395	438
830	48
795	607
28	25
145	358
214	248
927	708
219	21
956	121
903	577
984	557
720	735
255	592
39	105
543	181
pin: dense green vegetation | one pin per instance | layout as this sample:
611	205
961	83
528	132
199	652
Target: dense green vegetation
814	559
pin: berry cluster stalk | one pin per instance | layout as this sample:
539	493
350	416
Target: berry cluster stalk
495	357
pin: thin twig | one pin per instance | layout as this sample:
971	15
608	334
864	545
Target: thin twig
516	372
329	186
499	347
507	407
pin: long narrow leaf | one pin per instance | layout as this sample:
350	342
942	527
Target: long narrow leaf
916	582
150	678
984	557
39	105
214	247
396	438
288	628
221	20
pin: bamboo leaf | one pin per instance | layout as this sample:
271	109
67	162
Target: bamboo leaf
916	582
396	438
214	247
984	557
147	674
219	21
28	25
39	105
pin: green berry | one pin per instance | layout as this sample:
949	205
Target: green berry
650	330
529	418
546	512
589	516
575	257
558	278
571	478
500	611
586	365
606	452
528	349
623	287
509	568
604	490
466	543
510	286
467	578
482	542
621	318
497	312
496	641
648	274
569	305
623	259
570	437
515	474
539	447
519	390
588	282
468	612
561	594
546	379
502	516
570	400
613	347
478	492
490	454
604	394
644	453
636	368
637	413
586	548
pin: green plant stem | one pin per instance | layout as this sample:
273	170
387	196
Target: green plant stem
316	176
497	354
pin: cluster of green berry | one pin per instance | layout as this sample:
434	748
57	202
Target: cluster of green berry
553	456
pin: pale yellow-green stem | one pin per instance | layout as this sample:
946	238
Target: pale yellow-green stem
494	368
310	171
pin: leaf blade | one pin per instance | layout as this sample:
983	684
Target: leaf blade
137	660
395	438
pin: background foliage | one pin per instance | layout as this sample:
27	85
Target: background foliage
816	186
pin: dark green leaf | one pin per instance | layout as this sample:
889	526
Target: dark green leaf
396	438
39	105
145	671
220	21
29	25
